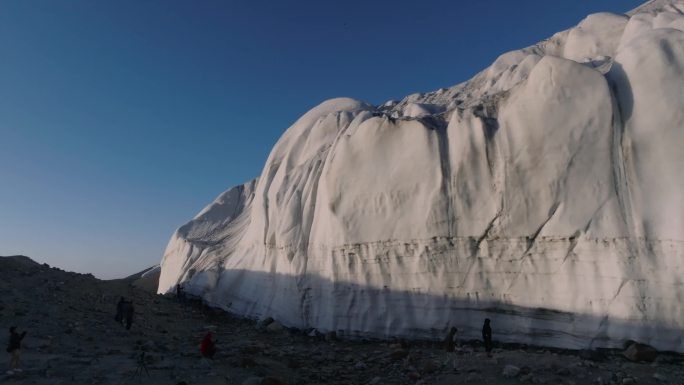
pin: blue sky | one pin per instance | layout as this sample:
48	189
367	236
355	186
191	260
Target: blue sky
120	120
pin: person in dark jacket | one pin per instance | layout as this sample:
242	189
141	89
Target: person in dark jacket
449	347
487	336
119	310
124	312
14	348
128	310
180	295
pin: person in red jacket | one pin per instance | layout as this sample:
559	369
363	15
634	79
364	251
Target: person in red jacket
208	347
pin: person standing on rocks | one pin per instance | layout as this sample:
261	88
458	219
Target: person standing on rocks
128	310
450	346
119	310
487	336
124	312
179	293
14	348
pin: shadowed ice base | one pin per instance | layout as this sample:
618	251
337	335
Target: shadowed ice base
355	311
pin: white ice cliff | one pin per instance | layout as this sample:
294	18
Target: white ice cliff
545	193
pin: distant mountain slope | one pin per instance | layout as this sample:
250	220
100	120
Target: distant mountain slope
16	261
147	279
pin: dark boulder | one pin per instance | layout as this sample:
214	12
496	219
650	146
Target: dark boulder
640	352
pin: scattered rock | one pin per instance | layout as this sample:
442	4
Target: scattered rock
399	354
413	375
563	372
474	378
429	366
272	381
252	349
262	324
275	327
331	336
413	358
248	362
510	371
252	381
627	344
640	352
592	355
294	363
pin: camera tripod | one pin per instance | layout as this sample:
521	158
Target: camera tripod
141	366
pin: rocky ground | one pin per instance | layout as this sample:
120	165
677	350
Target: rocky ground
73	339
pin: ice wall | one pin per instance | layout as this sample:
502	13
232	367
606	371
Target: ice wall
544	194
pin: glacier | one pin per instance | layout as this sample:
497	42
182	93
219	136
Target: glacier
544	193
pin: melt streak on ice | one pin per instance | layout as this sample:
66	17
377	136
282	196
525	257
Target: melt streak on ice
545	193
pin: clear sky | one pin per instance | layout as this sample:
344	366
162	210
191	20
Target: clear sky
120	120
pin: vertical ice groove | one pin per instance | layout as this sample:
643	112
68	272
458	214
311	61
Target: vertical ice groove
440	128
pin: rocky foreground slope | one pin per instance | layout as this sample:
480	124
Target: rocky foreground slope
544	193
73	340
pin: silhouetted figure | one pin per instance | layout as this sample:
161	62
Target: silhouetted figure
14	348
450	346
487	336
128	312
119	310
124	312
208	347
179	292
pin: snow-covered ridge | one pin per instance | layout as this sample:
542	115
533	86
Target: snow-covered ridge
544	193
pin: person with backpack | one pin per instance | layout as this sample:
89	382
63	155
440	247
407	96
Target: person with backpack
14	348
